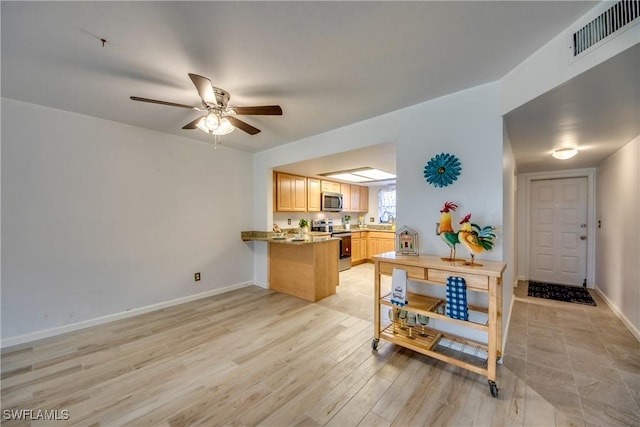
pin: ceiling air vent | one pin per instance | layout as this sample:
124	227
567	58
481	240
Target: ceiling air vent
610	21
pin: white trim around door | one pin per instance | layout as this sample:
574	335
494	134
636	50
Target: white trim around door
525	200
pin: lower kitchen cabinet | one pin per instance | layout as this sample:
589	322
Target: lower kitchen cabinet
380	242
358	247
366	244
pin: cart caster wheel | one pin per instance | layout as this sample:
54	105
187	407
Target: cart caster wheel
494	388
374	344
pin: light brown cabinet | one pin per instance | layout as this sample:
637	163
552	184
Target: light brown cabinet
364	199
290	193
330	186
379	242
345	189
313	195
307	270
358	247
355	198
294	193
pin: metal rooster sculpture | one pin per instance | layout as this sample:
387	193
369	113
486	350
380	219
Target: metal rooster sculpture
445	230
477	239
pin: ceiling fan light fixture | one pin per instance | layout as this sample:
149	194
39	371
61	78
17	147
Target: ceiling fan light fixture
224	128
202	125
215	103
564	153
212	121
215	125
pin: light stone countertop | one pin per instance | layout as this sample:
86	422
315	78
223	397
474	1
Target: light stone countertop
291	239
310	237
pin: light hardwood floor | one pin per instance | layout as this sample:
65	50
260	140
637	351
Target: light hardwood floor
256	357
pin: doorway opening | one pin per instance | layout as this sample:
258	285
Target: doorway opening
559	212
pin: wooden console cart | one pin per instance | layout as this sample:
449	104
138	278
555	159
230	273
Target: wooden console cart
444	346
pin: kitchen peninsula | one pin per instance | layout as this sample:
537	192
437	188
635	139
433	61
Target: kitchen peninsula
305	267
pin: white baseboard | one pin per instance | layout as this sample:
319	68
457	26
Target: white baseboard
634	331
59	330
261	284
506	329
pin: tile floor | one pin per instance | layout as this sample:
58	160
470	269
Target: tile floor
581	359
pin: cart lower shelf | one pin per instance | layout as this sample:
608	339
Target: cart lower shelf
449	348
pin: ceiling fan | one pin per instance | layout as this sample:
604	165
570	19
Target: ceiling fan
220	118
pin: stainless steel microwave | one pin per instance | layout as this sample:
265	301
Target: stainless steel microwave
332	202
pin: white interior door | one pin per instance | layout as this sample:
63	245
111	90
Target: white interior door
558	231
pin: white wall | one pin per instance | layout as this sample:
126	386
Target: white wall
509	230
618	236
100	217
553	63
467	124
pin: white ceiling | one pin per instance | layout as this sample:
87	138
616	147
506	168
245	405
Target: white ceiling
598	112
328	64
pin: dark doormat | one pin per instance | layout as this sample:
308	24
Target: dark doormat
575	294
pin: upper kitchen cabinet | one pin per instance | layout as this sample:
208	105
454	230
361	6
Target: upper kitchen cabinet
355	198
345	189
290	193
364	199
295	193
330	186
313	195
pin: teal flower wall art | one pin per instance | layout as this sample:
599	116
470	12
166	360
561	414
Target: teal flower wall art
442	170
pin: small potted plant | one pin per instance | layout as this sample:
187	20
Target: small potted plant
304	225
347	222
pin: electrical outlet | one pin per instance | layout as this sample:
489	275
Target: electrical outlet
196	277
289	221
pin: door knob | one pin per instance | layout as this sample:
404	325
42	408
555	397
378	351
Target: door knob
583	225
583	237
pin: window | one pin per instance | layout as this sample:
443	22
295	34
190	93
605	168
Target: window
387	204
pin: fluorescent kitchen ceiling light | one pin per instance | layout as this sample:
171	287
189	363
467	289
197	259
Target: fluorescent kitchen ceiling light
361	175
349	177
374	174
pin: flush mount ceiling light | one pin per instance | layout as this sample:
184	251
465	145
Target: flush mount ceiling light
564	153
361	175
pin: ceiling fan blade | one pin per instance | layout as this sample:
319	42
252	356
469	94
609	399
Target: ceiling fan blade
265	110
155	101
192	124
243	126
205	89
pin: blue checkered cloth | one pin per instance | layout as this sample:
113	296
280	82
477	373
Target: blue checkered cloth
457	307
